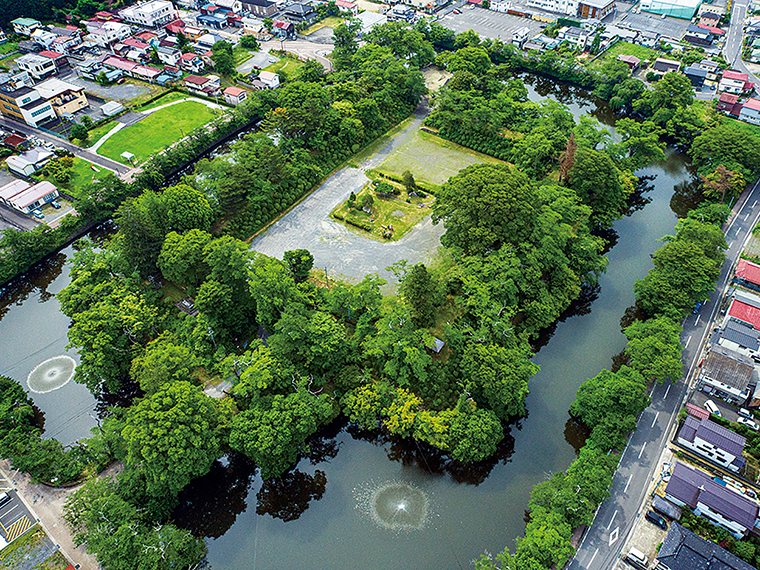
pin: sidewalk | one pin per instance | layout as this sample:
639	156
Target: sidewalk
46	503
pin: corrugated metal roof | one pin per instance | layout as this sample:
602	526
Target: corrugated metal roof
742	334
696	411
666	507
747	270
728	367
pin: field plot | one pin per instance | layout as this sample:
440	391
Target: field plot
287	64
157	131
431	158
624	48
81	174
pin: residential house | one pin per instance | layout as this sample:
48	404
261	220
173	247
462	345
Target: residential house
235	95
3	37
151	14
15	141
595	9
270	79
727	374
696	75
401	13
138	50
346	7
37	67
716	32
150	38
663	66
747	274
648	39
133	69
43	38
745	307
15	80
107	33
577	37
283	29
301	13
92	68
233	6
175	27
631	61
29	162
255	27
216	21
25	26
684	550
260	8
711	500
610	32
193	33
369	20
520	36
66	98
191	62
739	337
169	56
729	104
750	112
710	19
713	442
203	85
30	198
206	41
60	61
698	36
735	82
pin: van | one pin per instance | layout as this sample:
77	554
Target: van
5	498
745	412
637	559
712	408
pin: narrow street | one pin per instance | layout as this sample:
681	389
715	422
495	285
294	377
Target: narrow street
615	518
732	49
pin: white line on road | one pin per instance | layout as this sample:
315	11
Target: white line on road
614	535
592	558
612	519
696	322
738	229
629	482
642	449
666	393
655	419
688	340
753	204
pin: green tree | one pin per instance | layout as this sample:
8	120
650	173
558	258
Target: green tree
182	41
346	45
598	183
182	260
249	42
162	362
78	132
408	181
272	436
142	225
730	145
654	349
221	56
722	182
187	208
173	437
300	262
421	293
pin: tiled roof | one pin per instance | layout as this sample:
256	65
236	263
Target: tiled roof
719	436
753	104
746	269
745	312
234	91
195	80
735	75
684	550
689	429
742	334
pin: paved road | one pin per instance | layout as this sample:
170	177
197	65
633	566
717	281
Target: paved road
77	151
733	47
601	547
303	48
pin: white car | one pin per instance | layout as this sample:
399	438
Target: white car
749	423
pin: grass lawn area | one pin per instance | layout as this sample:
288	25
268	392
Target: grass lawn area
329	22
624	48
94	135
7	62
157	131
241	54
287	64
431	158
81	175
386	213
8	47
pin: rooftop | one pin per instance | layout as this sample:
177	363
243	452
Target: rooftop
12	188
196	80
234	91
753	104
742	334
697	412
713	433
32	194
728	367
735	75
52	87
728	98
684	550
745	312
747	270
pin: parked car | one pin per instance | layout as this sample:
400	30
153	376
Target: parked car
712	408
37	214
55	205
654	518
749	423
745	412
637	559
696	308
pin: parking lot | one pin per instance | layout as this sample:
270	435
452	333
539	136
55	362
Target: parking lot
15	518
487	23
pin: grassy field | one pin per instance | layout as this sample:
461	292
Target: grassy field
431	158
94	135
81	175
8	47
170	97
287	64
388	216
27	550
624	48
329	22
240	54
153	91
7	62
157	131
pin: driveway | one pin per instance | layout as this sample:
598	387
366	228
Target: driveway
260	59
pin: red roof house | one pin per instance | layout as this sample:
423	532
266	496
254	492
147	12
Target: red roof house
748	272
713	30
175	27
745	312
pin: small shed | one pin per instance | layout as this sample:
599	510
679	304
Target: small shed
128	156
666	508
112	108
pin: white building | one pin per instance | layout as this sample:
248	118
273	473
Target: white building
43	37
520	36
371	19
567	7
271	80
750	112
578	37
29	162
106	33
25	197
151	14
714	442
36	66
25	26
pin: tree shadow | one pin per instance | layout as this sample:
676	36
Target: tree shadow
287	497
581	305
687	195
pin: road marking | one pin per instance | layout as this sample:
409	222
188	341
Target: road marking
753	205
668	390
629	482
748	213
697	321
612	519
614	535
655	419
738	229
592	558
642	448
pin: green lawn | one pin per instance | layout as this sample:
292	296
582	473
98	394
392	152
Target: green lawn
8	61
8	47
287	64
240	54
94	135
329	22
170	97
81	175
624	48
397	216
431	158
157	131
22	549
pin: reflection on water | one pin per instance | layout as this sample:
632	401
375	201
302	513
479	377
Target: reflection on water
288	496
